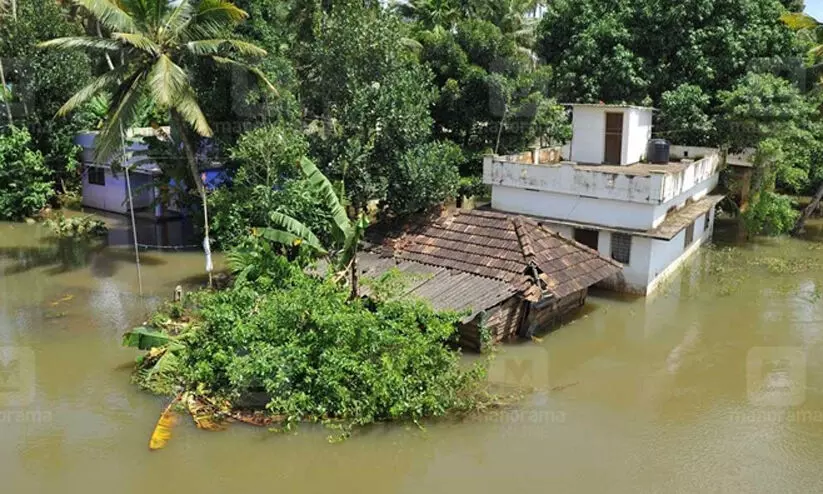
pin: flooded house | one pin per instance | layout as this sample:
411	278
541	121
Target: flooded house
105	187
509	275
636	200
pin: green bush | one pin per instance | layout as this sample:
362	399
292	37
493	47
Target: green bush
236	209
425	175
25	181
76	228
312	355
770	214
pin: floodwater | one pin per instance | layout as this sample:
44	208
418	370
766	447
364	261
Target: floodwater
714	385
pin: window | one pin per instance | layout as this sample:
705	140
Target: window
589	238
621	247
689	236
97	175
708	221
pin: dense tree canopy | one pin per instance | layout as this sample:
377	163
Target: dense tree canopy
41	80
637	51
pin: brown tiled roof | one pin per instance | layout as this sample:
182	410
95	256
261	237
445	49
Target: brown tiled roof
445	289
506	248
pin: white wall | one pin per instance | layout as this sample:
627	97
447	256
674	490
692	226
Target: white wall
588	135
112	196
695	194
565	178
652	261
691	152
668	257
617	214
637	136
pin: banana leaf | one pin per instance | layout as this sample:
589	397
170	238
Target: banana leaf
145	339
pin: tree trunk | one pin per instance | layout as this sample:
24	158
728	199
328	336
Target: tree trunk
6	95
812	207
201	188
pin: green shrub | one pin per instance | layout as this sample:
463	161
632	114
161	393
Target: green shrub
298	342
77	227
770	214
425	175
25	185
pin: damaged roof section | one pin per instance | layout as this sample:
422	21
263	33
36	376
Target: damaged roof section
517	251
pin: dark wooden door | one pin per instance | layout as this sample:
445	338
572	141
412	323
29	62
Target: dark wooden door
614	138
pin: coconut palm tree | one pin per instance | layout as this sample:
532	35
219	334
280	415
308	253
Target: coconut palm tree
154	39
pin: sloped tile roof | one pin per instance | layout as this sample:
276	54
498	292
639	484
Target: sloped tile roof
506	248
445	289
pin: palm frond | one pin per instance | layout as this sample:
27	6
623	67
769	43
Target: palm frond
139	41
178	18
205	46
103	82
188	108
330	199
798	21
167	81
74	42
252	70
219	11
109	14
124	104
246	48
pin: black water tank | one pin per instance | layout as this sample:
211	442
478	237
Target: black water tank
659	151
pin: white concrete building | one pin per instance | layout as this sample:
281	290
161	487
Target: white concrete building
106	190
649	217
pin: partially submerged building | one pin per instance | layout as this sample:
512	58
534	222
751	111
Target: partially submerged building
105	186
508	274
648	216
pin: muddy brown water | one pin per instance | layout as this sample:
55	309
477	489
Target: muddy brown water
713	385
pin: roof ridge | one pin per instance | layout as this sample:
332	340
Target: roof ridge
524	239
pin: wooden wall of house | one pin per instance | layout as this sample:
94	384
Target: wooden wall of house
502	321
509	319
554	313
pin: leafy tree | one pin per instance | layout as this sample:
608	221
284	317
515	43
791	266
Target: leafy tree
769	114
368	97
491	99
315	355
811	32
628	51
266	179
425	175
155	39
684	116
40	81
25	181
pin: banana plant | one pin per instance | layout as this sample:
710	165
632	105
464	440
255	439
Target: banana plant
288	231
